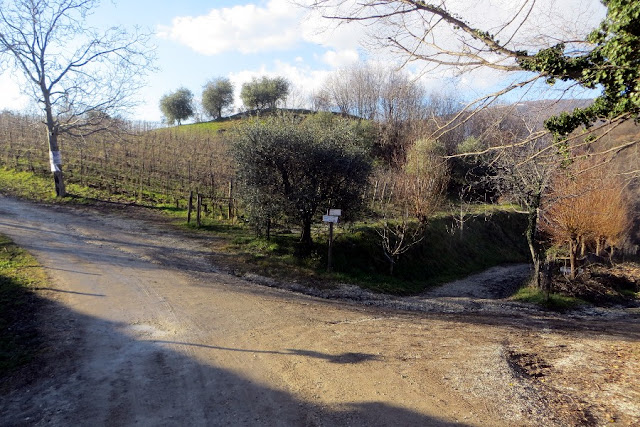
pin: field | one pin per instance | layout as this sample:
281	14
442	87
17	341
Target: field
138	163
158	168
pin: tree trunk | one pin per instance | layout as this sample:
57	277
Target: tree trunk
269	228
55	161
599	246
611	254
534	248
573	249
305	238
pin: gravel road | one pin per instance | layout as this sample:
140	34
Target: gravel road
145	330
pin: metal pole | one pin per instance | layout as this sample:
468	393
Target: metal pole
329	258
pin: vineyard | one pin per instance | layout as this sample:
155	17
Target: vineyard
150	165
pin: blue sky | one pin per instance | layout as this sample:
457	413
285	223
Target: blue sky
199	40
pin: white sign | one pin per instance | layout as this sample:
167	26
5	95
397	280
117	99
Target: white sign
335	212
330	218
55	160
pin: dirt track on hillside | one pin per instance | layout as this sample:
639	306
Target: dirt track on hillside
145	329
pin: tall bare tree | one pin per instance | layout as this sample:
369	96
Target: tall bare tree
78	75
383	94
520	172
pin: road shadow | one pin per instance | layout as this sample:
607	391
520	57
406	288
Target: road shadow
90	372
344	358
70	292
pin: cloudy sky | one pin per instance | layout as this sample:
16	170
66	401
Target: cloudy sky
198	40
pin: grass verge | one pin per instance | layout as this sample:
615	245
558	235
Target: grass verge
444	254
554	301
35	187
19	275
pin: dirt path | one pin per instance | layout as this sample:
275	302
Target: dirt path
148	332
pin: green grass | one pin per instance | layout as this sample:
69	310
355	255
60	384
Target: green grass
19	275
36	187
26	184
442	256
202	129
629	293
557	302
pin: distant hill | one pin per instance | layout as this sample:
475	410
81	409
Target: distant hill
546	108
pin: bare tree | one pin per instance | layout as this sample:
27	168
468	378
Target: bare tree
411	196
386	95
539	40
373	92
79	76
587	205
520	173
354	90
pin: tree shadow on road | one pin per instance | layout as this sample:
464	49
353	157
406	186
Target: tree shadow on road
95	374
345	358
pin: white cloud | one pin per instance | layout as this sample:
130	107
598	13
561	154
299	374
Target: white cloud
341	58
249	28
246	28
12	98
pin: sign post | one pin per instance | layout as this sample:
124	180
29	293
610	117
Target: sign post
332	217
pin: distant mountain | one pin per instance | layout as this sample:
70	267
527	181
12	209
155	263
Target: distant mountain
546	108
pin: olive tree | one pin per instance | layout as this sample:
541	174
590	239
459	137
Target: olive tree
71	70
304	165
265	92
217	96
177	106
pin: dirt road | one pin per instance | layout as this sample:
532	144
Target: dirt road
147	331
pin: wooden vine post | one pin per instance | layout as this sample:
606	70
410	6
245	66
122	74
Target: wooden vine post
189	207
199	209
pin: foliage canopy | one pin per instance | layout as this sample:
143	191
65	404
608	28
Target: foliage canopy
265	92
302	166
177	106
217	96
